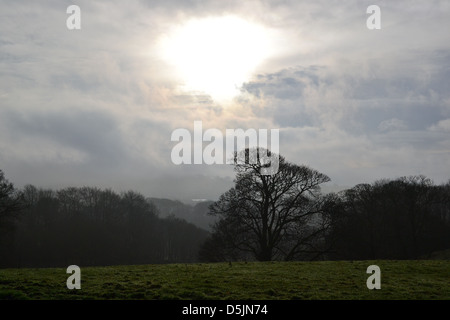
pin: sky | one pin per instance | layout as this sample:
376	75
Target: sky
97	106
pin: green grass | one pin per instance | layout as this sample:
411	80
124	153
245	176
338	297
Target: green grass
423	279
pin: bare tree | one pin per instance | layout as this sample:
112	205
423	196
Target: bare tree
271	217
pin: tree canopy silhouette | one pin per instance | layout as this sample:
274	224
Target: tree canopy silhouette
267	217
10	202
90	226
405	218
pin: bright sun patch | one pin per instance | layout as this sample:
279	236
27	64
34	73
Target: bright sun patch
216	55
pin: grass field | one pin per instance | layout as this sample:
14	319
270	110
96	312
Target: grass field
424	279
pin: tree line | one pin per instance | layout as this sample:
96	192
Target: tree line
283	216
286	217
89	226
404	218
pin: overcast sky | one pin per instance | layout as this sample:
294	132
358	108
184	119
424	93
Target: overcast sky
97	106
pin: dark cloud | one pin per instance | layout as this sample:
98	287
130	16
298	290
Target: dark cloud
286	84
94	133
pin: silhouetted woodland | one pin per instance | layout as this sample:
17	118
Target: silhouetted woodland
285	217
405	218
89	226
278	217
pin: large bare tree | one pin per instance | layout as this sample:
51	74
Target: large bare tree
269	217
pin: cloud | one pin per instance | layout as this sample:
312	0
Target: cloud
392	124
441	126
97	106
90	132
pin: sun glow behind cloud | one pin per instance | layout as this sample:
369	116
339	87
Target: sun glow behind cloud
216	55
98	105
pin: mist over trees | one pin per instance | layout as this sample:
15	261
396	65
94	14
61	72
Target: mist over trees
283	216
196	214
89	226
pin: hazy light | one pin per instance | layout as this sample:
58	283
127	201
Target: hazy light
216	55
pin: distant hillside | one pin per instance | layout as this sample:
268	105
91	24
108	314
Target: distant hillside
196	214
